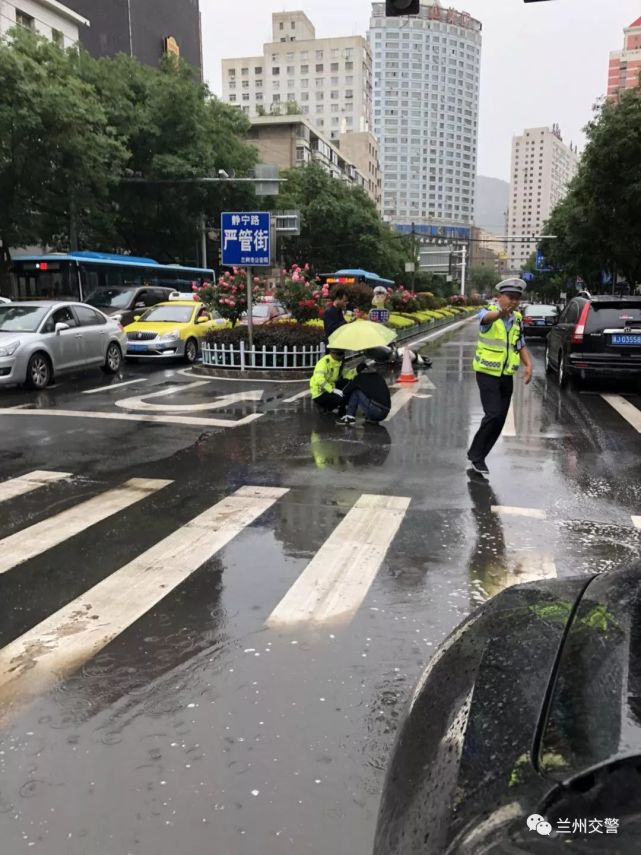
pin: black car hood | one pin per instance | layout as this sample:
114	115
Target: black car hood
532	706
462	765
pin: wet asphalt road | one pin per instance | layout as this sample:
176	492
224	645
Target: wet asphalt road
189	721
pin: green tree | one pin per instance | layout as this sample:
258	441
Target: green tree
174	131
340	226
59	157
483	278
597	224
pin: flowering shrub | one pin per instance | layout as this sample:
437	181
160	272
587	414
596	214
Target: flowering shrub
277	335
402	300
300	293
360	298
457	300
427	300
228	296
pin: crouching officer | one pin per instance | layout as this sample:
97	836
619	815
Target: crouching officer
499	353
328	380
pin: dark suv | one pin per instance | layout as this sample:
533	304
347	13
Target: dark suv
596	337
124	303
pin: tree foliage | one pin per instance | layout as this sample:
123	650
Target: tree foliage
597	223
76	133
340	226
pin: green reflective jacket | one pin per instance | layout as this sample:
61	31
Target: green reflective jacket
497	349
327	373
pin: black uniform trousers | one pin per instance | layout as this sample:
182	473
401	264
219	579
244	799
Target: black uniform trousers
496	395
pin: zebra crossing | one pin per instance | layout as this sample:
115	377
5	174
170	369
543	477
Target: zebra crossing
329	590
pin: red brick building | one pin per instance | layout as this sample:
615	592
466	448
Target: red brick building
625	65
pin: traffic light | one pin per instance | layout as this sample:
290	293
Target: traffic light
395	8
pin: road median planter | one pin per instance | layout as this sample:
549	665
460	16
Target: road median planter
289	351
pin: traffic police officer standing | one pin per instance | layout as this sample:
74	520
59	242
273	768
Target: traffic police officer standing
499	353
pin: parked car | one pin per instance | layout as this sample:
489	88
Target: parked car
596	337
122	303
4	300
538	319
267	312
170	330
527	719
40	340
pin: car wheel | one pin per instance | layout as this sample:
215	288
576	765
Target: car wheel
548	361
113	360
191	351
39	372
563	373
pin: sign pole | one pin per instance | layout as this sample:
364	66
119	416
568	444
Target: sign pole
250	310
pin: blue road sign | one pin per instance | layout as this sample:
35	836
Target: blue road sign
246	239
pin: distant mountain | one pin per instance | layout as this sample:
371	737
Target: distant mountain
492	198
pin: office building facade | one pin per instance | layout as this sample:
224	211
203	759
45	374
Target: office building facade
49	18
625	65
542	168
426	105
145	29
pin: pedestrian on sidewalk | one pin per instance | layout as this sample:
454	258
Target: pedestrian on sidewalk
328	381
333	318
369	393
500	351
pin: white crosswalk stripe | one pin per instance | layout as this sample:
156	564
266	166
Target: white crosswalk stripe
336	581
625	408
62	642
636	522
29	482
37	538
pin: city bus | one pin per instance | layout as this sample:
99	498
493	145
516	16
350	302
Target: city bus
76	275
354	277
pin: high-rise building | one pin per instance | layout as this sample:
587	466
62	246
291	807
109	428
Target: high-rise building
328	81
542	167
145	29
426	105
47	18
625	65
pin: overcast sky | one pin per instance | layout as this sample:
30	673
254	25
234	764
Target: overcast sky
542	62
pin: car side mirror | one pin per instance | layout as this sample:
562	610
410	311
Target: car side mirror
203	320
60	327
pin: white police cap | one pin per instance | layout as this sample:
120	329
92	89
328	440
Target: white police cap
512	286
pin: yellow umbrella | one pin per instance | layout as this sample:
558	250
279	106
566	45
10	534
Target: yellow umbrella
361	335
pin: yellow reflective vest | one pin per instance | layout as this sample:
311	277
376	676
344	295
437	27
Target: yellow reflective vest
497	349
327	373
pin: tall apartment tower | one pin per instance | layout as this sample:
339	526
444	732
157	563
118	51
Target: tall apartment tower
426	105
625	65
329	81
542	167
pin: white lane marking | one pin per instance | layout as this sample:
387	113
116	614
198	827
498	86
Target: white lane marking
626	409
38	538
305	394
405	393
113	386
29	482
441	332
532	513
337	579
510	422
219	403
636	522
62	642
135	417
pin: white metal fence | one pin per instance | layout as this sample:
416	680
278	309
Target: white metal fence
239	356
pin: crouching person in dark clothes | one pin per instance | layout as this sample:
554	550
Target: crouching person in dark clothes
369	393
328	381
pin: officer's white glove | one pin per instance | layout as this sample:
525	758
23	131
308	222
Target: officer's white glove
338	392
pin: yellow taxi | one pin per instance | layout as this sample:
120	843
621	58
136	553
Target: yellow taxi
173	330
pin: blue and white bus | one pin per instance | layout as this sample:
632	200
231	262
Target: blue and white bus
76	275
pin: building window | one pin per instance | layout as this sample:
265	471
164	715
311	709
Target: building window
349	66
24	20
304	69
319	68
304	84
244	71
276	71
58	38
334	67
276	99
246	97
258	69
319	54
282	25
232	98
291	69
231	72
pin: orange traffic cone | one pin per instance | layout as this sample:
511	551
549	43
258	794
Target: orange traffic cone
407	372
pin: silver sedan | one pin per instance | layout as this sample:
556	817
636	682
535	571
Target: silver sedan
39	340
